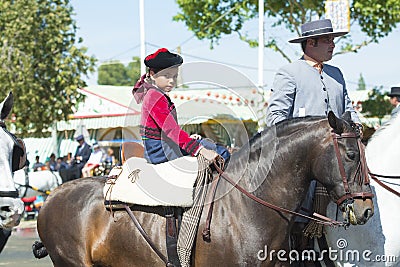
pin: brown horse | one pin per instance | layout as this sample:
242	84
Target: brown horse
277	165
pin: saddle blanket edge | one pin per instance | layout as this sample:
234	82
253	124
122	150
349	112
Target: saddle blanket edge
166	184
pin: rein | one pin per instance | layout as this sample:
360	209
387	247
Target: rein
362	171
383	176
388	188
47	192
323	220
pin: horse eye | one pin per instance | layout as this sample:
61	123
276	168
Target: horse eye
351	155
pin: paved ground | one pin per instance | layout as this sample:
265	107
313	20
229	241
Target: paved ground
18	250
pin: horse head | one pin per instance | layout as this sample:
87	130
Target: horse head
12	157
342	169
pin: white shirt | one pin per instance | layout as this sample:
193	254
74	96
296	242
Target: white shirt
95	157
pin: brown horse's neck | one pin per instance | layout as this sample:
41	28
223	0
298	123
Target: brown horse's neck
277	170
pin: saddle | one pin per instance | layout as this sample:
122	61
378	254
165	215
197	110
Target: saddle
141	183
169	185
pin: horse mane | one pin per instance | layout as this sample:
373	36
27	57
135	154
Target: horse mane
287	126
260	149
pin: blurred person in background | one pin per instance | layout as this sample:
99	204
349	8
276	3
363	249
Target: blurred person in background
395	100
94	161
37	166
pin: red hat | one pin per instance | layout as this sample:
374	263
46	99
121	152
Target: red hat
162	59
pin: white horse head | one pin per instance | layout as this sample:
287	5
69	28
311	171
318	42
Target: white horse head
380	235
11	207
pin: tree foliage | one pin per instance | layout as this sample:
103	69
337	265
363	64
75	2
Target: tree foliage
376	105
115	73
41	62
212	19
361	84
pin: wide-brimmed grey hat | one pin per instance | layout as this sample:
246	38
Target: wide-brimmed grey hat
394	91
317	28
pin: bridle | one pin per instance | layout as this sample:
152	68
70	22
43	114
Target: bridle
361	175
18	158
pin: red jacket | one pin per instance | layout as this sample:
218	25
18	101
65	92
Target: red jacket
159	120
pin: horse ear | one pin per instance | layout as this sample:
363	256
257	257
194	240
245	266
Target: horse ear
6	106
335	122
347	116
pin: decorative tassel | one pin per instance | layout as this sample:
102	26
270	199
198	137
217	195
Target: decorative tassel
321	201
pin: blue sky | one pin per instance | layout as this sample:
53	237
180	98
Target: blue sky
110	30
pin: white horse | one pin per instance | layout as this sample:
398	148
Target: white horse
36	183
11	207
12	157
379	238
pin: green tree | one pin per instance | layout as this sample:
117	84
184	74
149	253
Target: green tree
41	62
115	73
211	19
133	70
361	83
112	73
376	105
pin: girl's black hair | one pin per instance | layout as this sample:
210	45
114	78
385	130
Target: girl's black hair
154	70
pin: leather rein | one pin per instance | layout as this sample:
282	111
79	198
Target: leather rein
388	188
362	170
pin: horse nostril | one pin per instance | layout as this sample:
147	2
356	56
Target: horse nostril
368	213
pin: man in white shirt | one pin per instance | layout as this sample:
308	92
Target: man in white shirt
93	161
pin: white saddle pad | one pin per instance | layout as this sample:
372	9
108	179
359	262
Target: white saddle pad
166	184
